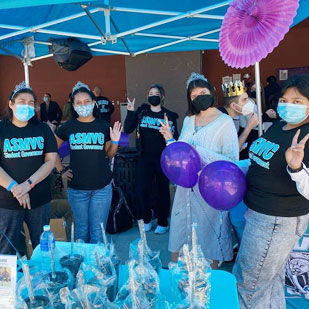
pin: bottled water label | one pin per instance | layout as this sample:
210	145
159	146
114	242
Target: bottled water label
44	244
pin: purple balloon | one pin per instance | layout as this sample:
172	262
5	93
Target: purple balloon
64	150
124	140
222	185
181	163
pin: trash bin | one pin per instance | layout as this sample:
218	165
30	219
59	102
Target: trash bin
125	164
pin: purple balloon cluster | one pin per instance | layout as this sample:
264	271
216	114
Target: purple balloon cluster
222	184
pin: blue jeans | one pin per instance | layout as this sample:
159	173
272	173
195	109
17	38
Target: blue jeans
238	220
265	247
90	208
11	222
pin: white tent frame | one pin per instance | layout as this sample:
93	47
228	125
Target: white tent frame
108	36
101	39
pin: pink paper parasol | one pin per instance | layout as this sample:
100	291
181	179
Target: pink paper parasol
251	29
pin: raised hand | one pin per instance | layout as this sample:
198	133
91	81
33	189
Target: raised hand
295	154
130	105
165	129
271	113
253	121
115	133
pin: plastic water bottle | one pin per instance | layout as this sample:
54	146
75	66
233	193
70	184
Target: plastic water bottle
47	240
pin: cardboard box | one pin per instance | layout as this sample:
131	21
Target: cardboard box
57	226
28	241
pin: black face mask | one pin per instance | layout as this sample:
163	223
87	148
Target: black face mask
253	94
202	102
154	100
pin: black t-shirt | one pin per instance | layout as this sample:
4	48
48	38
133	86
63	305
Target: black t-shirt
103	109
271	190
152	141
22	154
88	161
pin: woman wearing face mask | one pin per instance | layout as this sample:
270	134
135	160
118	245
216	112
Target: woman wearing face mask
28	153
91	142
150	144
277	198
214	136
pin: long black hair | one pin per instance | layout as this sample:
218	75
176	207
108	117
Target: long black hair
201	84
8	117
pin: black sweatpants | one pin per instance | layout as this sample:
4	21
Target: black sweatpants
149	168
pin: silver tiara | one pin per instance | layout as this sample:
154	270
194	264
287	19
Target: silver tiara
20	87
78	85
196	76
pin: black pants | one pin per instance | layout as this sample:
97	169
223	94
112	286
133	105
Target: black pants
148	168
11	222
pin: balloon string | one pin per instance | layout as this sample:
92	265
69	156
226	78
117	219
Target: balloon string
189	219
221	220
210	224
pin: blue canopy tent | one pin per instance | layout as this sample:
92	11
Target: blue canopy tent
115	26
118	27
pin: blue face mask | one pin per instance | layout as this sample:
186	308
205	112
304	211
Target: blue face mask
292	113
24	112
84	110
45	99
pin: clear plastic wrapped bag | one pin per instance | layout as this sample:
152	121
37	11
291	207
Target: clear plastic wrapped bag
131	295
143	280
100	300
31	290
108	249
190	277
103	275
152	256
79	297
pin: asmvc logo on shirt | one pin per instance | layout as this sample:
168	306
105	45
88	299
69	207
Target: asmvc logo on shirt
87	141
103	105
23	147
153	123
261	150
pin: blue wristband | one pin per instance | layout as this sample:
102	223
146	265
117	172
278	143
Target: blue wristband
171	140
115	142
11	185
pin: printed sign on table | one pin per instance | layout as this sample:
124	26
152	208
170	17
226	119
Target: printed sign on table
8	265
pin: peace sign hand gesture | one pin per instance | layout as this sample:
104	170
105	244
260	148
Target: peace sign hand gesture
165	129
295	154
130	105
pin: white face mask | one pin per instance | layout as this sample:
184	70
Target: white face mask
248	108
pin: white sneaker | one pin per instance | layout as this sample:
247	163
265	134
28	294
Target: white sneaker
161	229
148	226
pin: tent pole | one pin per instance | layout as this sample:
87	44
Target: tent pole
26	62
26	69
258	95
93	21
